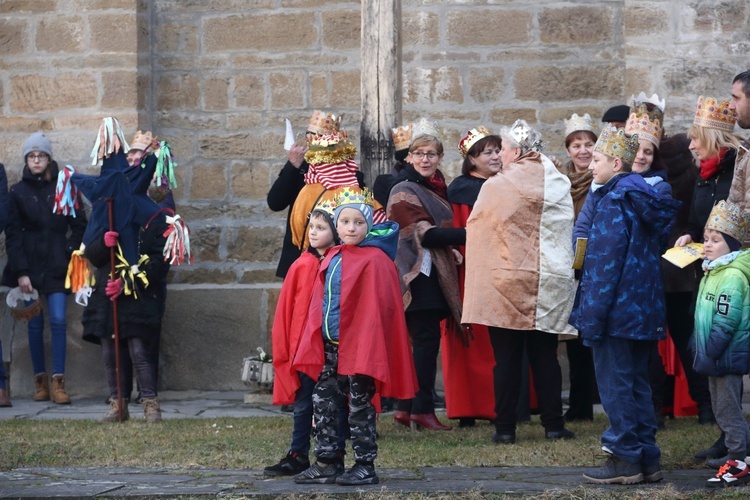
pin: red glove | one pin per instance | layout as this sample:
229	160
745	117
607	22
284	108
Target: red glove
110	239
113	289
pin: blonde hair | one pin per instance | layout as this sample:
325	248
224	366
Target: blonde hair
714	140
426	140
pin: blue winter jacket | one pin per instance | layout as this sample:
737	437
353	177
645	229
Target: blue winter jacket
621	292
383	236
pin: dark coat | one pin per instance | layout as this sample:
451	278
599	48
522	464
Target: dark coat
282	195
37	240
707	193
621	293
3	198
139	317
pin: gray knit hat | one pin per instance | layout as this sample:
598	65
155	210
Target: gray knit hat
37	142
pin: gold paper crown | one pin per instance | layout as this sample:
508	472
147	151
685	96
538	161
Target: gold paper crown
424	127
474	135
352	195
714	114
402	136
644	125
577	123
729	219
324	124
142	140
330	149
652	105
327	206
615	143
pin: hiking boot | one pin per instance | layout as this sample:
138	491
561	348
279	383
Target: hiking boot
58	394
113	415
41	387
615	471
652	473
319	473
291	464
732	473
4	398
716	450
563	434
498	438
151	410
358	475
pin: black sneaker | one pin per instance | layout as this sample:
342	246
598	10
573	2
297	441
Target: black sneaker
718	449
652	473
319	473
563	434
291	464
498	438
615	471
732	473
358	475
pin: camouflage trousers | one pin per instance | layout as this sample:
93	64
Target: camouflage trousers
331	392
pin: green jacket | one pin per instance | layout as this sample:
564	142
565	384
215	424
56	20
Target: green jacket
721	336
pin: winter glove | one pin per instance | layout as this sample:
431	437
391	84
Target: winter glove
113	289
110	239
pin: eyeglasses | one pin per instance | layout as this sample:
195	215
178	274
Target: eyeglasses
419	155
40	157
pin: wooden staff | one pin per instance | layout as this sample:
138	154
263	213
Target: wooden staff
112	276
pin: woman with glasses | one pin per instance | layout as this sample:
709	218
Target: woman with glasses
426	263
39	246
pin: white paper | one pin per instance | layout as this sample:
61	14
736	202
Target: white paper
426	266
289	139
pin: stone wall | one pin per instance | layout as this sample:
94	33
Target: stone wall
217	79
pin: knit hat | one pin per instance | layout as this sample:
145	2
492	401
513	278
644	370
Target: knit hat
37	142
356	198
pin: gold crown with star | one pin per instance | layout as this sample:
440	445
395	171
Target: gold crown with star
472	137
644	124
352	195
729	219
617	144
402	136
577	123
712	113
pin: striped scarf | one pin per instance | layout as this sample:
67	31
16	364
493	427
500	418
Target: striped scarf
333	175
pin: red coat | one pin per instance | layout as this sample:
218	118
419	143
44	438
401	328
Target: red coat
373	339
288	325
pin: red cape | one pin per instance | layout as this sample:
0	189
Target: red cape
373	339
289	323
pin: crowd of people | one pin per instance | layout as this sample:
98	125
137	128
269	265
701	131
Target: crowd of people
517	254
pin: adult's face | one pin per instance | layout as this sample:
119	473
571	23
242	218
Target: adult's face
698	148
580	151
487	163
740	103
134	157
508	154
37	162
425	160
645	156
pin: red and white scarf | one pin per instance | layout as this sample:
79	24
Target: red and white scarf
333	175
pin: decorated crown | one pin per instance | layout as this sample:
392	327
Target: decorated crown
474	135
577	123
528	138
615	143
424	127
402	136
335	148
729	219
352	195
142	140
711	113
324	124
654	100
644	125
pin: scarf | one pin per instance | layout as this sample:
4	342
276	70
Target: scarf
711	166
580	183
436	183
333	175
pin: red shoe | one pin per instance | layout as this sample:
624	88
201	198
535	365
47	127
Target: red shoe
428	421
402	417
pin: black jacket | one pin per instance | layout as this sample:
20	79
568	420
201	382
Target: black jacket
282	195
139	317
707	193
36	240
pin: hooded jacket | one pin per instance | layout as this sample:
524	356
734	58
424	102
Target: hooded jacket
721	338
621	292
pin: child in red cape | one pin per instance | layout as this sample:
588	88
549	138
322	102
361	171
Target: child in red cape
356	334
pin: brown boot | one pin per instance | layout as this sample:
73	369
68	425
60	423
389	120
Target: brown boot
151	410
58	394
4	399
41	387
113	415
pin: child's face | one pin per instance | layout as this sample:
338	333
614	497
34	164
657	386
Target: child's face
320	233
603	167
714	244
351	226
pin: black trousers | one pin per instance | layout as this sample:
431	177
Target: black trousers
582	381
508	346
424	330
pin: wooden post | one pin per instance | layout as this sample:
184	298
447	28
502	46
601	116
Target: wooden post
381	85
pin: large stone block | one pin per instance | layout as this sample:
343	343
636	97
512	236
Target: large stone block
177	92
208	182
206	243
499	27
266	275
583	25
249	92
487	84
287	89
719	16
693	78
242	121
272	32
420	28
95	5
115	32
637	80
191	62
345	89
13	36
341	29
266	146
567	83
27	6
319	90
188	120
506	116
37	94
195	275
177	37
255	244
433	85
250	180
120	89
25	125
644	20
61	34
216	93
196	6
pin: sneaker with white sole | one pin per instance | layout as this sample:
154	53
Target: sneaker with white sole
732	473
358	475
